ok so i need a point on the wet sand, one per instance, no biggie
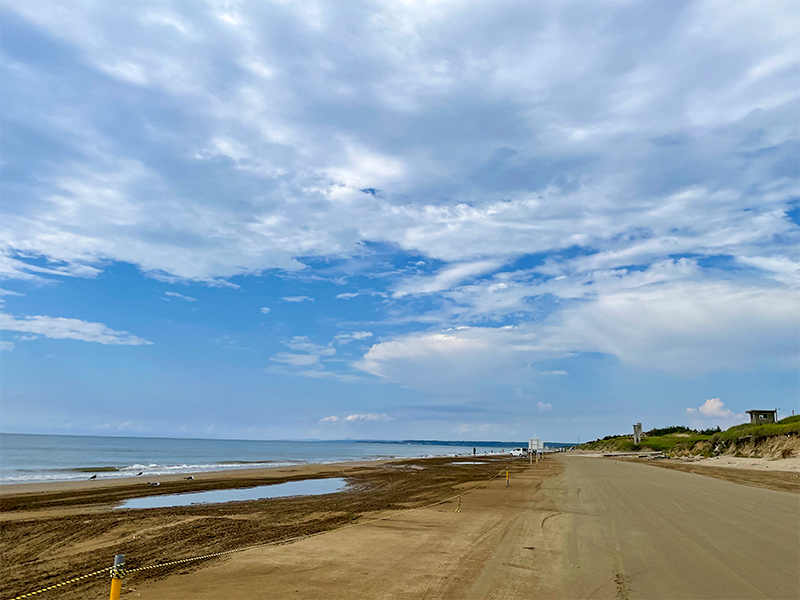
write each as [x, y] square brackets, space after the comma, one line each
[55, 531]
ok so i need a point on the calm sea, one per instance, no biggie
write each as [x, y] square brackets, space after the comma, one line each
[31, 458]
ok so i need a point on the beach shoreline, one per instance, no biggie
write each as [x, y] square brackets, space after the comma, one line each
[38, 487]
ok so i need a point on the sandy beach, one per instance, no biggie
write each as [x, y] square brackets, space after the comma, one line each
[735, 462]
[56, 531]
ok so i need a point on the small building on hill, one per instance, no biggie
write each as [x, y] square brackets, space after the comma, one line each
[760, 417]
[637, 433]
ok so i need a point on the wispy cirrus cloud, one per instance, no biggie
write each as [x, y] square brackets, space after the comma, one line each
[446, 278]
[74, 329]
[353, 336]
[356, 418]
[297, 299]
[179, 297]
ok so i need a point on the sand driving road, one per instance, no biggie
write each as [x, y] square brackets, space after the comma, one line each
[599, 529]
[627, 530]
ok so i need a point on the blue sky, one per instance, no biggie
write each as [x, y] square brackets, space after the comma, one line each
[453, 220]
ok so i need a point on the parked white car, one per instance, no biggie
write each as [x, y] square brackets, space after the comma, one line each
[519, 452]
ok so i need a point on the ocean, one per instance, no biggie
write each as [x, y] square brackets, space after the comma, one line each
[26, 458]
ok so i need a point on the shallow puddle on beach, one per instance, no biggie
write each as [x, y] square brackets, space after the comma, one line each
[466, 462]
[306, 487]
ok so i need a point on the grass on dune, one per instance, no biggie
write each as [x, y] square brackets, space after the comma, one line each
[687, 439]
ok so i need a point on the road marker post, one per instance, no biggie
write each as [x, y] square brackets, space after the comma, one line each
[117, 573]
[506, 477]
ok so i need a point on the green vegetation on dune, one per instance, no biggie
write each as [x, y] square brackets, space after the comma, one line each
[782, 427]
[709, 442]
[658, 443]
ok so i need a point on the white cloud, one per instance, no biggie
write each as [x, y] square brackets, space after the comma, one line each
[297, 299]
[308, 360]
[677, 327]
[714, 410]
[607, 153]
[456, 359]
[713, 407]
[346, 338]
[690, 168]
[688, 327]
[356, 418]
[446, 278]
[303, 344]
[14, 268]
[61, 328]
[366, 417]
[296, 360]
[780, 268]
[333, 375]
[544, 406]
[349, 295]
[180, 296]
[9, 346]
[265, 310]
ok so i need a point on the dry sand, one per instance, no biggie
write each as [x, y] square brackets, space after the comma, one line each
[735, 462]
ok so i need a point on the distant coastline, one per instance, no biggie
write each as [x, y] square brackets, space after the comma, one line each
[483, 444]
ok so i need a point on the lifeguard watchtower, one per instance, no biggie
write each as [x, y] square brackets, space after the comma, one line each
[760, 417]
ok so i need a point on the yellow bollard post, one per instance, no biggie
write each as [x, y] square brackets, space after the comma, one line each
[117, 573]
[506, 477]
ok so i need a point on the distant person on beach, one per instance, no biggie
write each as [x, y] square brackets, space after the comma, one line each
[474, 451]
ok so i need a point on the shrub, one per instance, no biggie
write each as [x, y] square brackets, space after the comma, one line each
[710, 431]
[668, 430]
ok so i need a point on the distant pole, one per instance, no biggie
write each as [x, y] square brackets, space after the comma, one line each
[117, 572]
[506, 477]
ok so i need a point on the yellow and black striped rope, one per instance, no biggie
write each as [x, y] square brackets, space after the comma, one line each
[120, 572]
[63, 583]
